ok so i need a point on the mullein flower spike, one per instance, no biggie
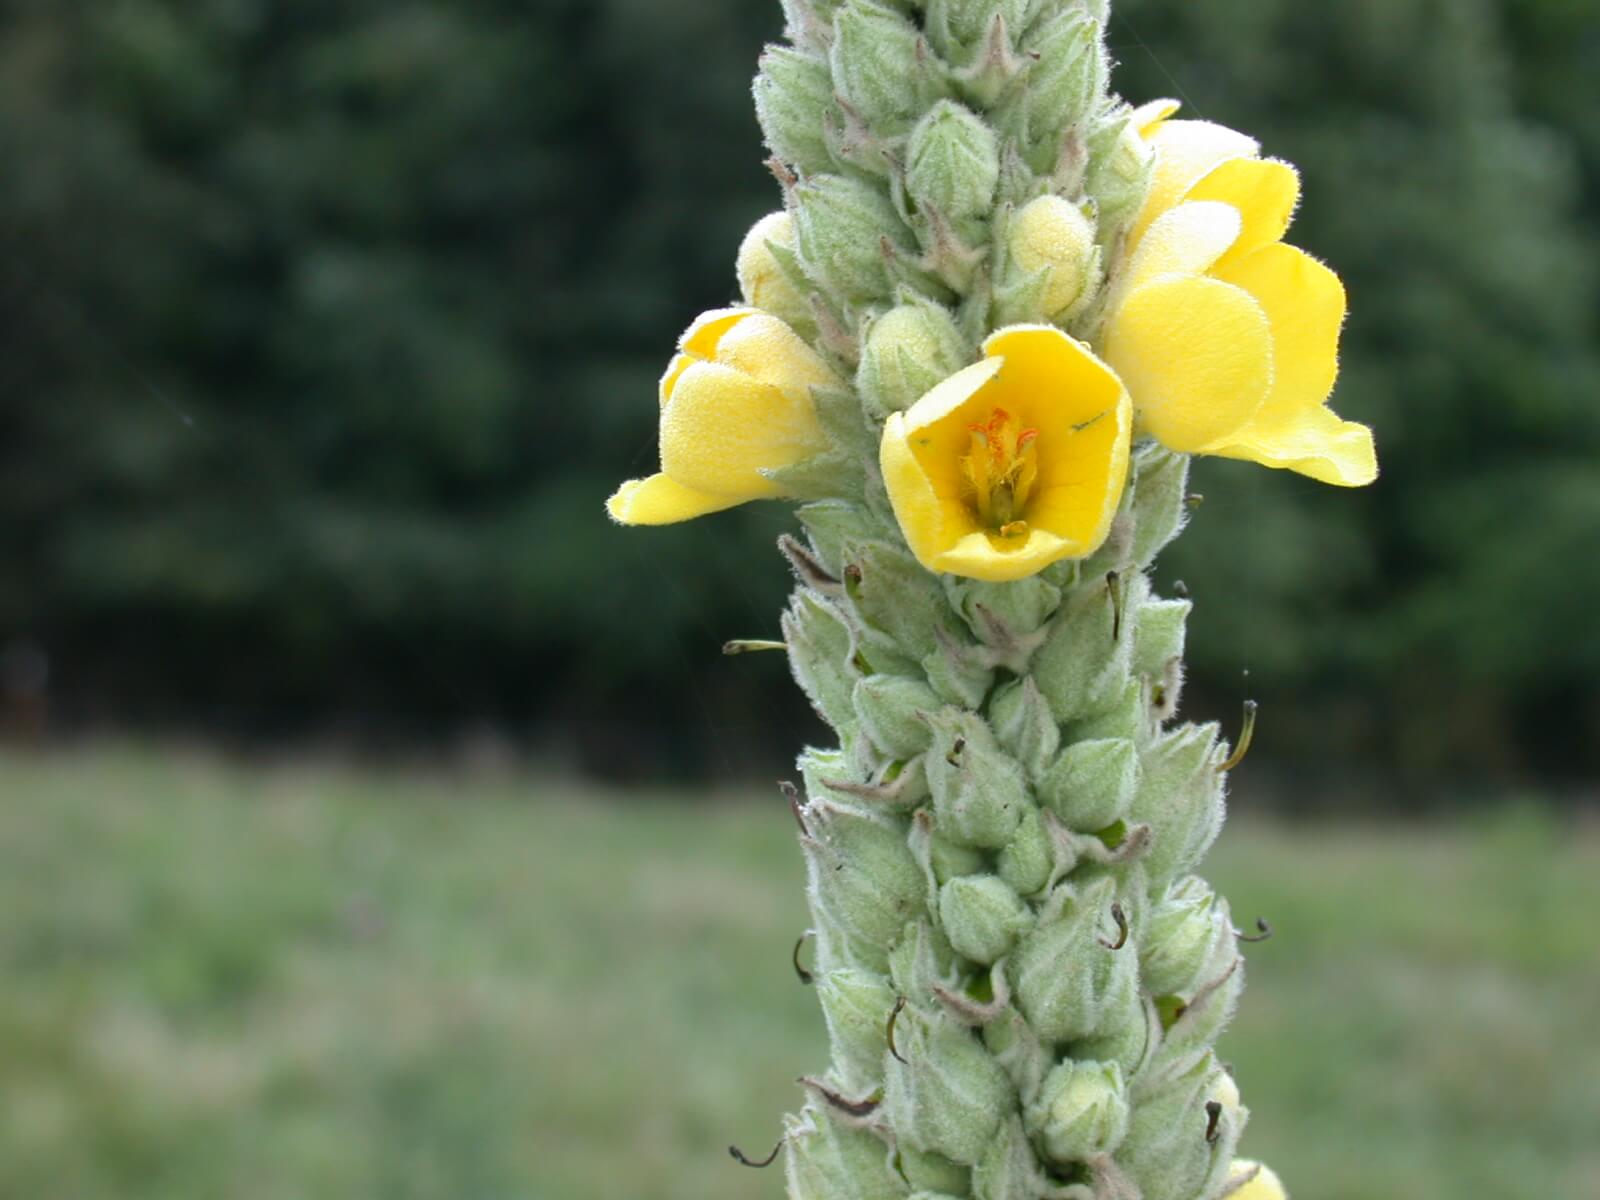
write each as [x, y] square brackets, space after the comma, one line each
[997, 313]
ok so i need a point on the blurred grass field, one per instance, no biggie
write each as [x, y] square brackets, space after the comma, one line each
[316, 981]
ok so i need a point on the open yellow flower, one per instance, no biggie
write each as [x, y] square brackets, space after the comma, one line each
[1013, 462]
[736, 401]
[1228, 339]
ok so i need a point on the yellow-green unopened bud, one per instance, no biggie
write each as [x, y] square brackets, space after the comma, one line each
[952, 162]
[1265, 1186]
[982, 917]
[762, 279]
[1052, 234]
[1082, 1110]
[907, 351]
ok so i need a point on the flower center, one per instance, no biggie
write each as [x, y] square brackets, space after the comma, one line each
[999, 473]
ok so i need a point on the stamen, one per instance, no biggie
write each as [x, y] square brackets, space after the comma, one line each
[999, 472]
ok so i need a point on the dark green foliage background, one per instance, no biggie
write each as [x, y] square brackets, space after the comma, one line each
[328, 326]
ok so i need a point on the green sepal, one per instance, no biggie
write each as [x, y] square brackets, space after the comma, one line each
[1119, 174]
[841, 225]
[1127, 716]
[838, 470]
[1084, 663]
[1008, 1170]
[794, 102]
[1026, 861]
[923, 961]
[1158, 636]
[831, 525]
[1160, 491]
[948, 1095]
[893, 711]
[958, 671]
[1166, 1152]
[893, 594]
[1001, 613]
[829, 1159]
[979, 793]
[856, 1006]
[933, 1173]
[1129, 1039]
[822, 651]
[1092, 784]
[1065, 979]
[1024, 725]
[1188, 940]
[952, 162]
[1180, 798]
[907, 351]
[862, 873]
[881, 66]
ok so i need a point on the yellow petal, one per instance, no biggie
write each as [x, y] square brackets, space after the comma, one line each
[1084, 416]
[1147, 118]
[1305, 304]
[1196, 356]
[931, 517]
[995, 559]
[701, 338]
[722, 428]
[1264, 190]
[767, 350]
[1315, 442]
[1294, 429]
[659, 500]
[1184, 151]
[669, 377]
[1265, 1186]
[1184, 240]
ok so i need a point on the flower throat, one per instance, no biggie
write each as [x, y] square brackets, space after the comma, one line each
[999, 473]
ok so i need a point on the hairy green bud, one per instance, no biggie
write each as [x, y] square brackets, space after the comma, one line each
[906, 352]
[820, 652]
[948, 1094]
[1082, 1111]
[1180, 797]
[953, 162]
[1119, 174]
[1009, 1170]
[1022, 721]
[1188, 941]
[1066, 981]
[855, 1006]
[982, 917]
[794, 100]
[881, 65]
[1065, 83]
[842, 226]
[1026, 860]
[1084, 663]
[829, 1160]
[893, 710]
[1166, 1151]
[959, 27]
[1092, 784]
[979, 794]
[863, 874]
[833, 525]
[1160, 487]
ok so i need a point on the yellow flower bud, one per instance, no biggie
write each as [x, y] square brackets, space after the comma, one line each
[735, 402]
[1052, 234]
[762, 279]
[1265, 1186]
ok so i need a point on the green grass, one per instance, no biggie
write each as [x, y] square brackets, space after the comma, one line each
[308, 982]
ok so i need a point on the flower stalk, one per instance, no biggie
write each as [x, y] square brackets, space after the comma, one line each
[998, 313]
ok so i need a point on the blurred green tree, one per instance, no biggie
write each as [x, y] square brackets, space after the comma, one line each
[328, 326]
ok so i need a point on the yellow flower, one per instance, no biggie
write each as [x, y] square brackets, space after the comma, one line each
[736, 401]
[1228, 339]
[1013, 462]
[1265, 1186]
